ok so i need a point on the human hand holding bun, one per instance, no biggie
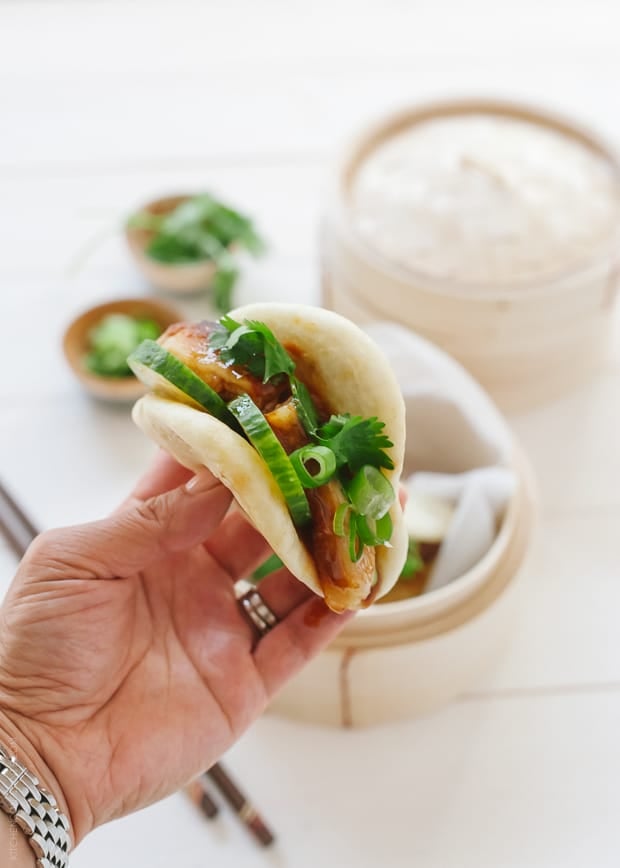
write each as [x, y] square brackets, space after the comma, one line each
[126, 664]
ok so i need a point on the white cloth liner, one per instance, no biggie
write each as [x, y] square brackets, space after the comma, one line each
[458, 447]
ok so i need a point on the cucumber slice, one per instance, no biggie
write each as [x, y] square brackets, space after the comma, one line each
[167, 376]
[270, 450]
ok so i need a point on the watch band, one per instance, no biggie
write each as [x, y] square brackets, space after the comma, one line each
[35, 811]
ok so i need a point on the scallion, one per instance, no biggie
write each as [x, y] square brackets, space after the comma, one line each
[374, 533]
[370, 492]
[356, 546]
[324, 459]
[340, 517]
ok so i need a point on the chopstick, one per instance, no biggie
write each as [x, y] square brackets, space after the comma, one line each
[202, 799]
[243, 808]
[15, 525]
[19, 531]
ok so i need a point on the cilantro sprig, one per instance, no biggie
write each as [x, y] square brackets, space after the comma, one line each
[356, 445]
[356, 441]
[201, 228]
[253, 346]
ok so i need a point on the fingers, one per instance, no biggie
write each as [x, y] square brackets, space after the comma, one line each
[131, 539]
[403, 496]
[164, 474]
[295, 640]
[283, 592]
[238, 547]
[305, 626]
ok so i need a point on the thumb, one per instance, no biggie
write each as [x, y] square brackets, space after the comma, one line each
[130, 540]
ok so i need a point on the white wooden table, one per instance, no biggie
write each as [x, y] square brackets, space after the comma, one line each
[104, 104]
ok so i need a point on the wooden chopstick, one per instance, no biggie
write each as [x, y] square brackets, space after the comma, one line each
[239, 802]
[199, 795]
[19, 531]
[15, 525]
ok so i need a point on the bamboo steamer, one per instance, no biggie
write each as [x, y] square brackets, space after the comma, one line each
[525, 342]
[518, 372]
[403, 659]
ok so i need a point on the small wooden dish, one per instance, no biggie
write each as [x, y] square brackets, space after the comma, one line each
[183, 278]
[76, 345]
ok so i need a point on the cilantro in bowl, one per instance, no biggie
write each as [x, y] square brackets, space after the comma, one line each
[200, 228]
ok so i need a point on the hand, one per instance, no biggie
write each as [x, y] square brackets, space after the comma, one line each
[126, 665]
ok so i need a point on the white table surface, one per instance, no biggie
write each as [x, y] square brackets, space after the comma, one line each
[105, 104]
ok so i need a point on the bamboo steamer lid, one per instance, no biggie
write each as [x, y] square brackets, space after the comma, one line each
[525, 341]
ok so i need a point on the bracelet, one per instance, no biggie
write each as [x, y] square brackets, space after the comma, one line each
[35, 811]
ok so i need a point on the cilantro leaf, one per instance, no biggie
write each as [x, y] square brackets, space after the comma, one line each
[356, 441]
[414, 563]
[222, 331]
[202, 218]
[253, 346]
[277, 360]
[201, 228]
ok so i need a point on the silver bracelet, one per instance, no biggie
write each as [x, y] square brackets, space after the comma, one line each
[35, 811]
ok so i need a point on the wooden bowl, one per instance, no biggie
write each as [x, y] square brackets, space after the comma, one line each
[76, 345]
[183, 278]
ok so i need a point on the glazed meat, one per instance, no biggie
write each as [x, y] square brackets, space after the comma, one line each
[343, 581]
[189, 343]
[285, 424]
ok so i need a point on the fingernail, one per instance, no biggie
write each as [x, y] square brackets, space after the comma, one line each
[202, 481]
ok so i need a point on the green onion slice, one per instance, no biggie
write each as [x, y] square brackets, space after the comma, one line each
[374, 533]
[370, 492]
[340, 517]
[356, 546]
[270, 450]
[304, 406]
[322, 456]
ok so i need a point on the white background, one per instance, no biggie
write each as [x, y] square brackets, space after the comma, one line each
[106, 104]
